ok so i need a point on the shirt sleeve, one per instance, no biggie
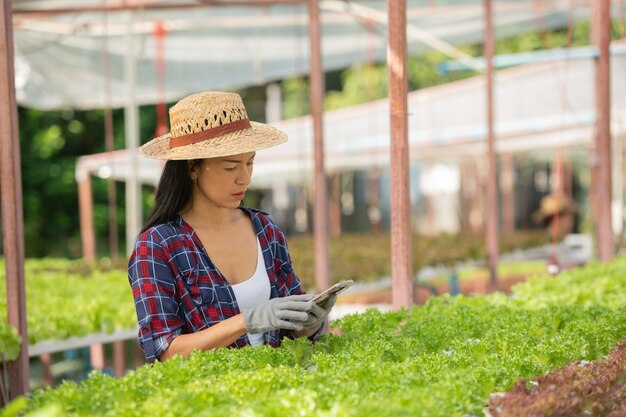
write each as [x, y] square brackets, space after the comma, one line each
[153, 283]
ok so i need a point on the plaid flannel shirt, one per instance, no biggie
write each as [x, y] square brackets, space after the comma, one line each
[178, 290]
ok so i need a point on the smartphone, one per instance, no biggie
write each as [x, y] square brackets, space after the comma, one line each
[321, 298]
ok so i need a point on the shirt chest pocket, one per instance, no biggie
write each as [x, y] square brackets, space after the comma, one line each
[198, 285]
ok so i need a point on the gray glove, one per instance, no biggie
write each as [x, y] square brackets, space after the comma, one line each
[279, 313]
[318, 314]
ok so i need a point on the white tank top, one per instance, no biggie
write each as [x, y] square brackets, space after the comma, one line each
[254, 291]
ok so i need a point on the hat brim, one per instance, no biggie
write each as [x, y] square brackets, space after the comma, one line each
[259, 136]
[541, 216]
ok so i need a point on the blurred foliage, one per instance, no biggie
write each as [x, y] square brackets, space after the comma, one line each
[505, 269]
[366, 82]
[448, 357]
[366, 257]
[101, 299]
[51, 141]
[71, 298]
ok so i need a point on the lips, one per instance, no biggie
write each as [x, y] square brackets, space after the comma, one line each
[239, 195]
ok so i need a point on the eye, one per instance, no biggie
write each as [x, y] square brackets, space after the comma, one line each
[230, 169]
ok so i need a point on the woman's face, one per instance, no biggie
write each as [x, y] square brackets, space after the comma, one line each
[223, 181]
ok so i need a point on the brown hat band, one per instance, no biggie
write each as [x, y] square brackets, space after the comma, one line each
[210, 133]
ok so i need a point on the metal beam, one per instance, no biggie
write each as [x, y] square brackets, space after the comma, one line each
[401, 260]
[507, 184]
[54, 346]
[424, 36]
[154, 5]
[316, 99]
[492, 173]
[533, 57]
[131, 132]
[12, 208]
[85, 211]
[601, 34]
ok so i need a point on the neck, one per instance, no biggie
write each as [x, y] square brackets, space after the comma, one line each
[209, 215]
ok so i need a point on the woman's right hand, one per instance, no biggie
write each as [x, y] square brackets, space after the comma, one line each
[288, 313]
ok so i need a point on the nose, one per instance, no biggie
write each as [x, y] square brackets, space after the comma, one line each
[245, 175]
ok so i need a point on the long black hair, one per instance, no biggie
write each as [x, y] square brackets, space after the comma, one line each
[172, 193]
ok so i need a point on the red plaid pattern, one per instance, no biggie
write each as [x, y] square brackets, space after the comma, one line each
[178, 290]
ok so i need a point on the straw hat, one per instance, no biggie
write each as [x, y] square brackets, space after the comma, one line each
[209, 125]
[552, 204]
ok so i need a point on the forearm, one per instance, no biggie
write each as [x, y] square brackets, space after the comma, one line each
[222, 334]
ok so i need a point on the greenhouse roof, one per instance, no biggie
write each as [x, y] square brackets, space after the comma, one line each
[538, 107]
[72, 54]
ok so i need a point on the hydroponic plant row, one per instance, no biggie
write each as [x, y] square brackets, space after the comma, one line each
[445, 358]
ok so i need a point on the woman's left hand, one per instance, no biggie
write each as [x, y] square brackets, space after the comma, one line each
[318, 313]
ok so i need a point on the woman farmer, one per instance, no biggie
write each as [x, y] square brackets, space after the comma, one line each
[206, 272]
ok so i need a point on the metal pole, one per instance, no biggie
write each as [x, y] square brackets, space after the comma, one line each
[151, 5]
[508, 193]
[12, 208]
[273, 104]
[601, 33]
[618, 187]
[320, 208]
[373, 209]
[431, 214]
[85, 211]
[402, 284]
[109, 141]
[46, 363]
[119, 358]
[492, 185]
[111, 187]
[131, 124]
[96, 356]
[335, 204]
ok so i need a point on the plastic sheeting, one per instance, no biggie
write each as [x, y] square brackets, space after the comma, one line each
[538, 107]
[61, 57]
